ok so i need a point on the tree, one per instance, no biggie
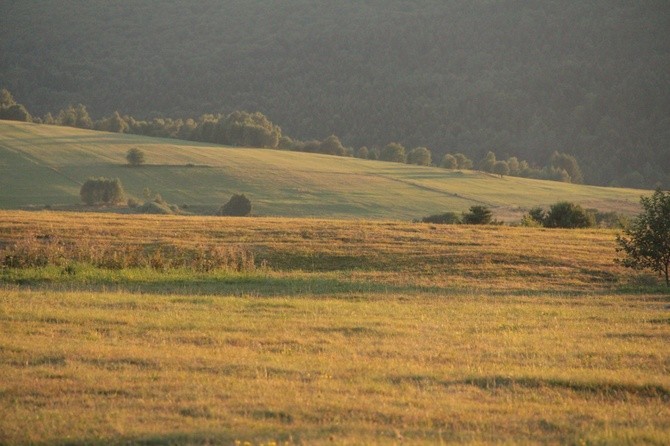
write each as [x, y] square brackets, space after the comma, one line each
[569, 164]
[464, 162]
[75, 116]
[362, 153]
[647, 245]
[449, 162]
[514, 166]
[393, 152]
[6, 98]
[420, 156]
[486, 165]
[113, 123]
[501, 168]
[237, 206]
[96, 191]
[568, 215]
[332, 146]
[135, 157]
[478, 215]
[242, 129]
[10, 110]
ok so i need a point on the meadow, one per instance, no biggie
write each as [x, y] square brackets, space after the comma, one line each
[203, 177]
[330, 332]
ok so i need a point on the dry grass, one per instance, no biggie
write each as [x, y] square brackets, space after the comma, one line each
[356, 332]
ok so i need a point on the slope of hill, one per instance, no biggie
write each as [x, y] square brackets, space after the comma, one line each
[46, 165]
[520, 78]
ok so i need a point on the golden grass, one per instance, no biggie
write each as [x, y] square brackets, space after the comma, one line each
[356, 333]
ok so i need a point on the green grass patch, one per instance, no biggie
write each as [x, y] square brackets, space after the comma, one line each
[278, 183]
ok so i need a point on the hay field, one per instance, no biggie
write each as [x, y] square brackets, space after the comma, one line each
[342, 332]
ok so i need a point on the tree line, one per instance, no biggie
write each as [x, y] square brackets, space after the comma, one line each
[245, 129]
[521, 79]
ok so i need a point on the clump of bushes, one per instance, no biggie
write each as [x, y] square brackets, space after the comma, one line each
[477, 215]
[157, 206]
[99, 191]
[238, 206]
[448, 218]
[563, 214]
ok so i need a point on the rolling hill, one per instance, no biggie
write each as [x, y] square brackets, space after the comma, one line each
[46, 165]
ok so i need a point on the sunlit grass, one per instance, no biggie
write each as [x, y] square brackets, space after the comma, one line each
[352, 332]
[462, 367]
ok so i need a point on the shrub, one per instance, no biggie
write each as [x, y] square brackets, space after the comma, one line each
[568, 215]
[135, 157]
[96, 191]
[237, 206]
[156, 208]
[478, 215]
[448, 218]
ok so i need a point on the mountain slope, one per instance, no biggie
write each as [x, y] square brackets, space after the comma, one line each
[42, 165]
[520, 78]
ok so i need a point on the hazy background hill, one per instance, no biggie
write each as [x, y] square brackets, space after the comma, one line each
[520, 78]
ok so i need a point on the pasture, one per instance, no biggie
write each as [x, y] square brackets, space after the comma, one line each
[337, 332]
[279, 183]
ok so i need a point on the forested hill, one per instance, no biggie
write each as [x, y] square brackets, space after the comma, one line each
[591, 78]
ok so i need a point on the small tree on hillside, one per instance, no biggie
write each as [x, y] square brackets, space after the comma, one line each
[486, 164]
[135, 157]
[96, 191]
[393, 152]
[463, 161]
[501, 168]
[237, 206]
[646, 243]
[420, 156]
[478, 215]
[449, 162]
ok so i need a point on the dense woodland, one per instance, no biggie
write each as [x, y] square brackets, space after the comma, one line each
[519, 79]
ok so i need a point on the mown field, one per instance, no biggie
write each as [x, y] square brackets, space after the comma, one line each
[335, 332]
[279, 183]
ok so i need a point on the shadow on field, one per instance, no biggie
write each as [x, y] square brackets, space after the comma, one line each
[180, 438]
[260, 286]
[603, 389]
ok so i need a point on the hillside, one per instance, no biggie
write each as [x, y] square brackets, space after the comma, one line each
[46, 165]
[520, 78]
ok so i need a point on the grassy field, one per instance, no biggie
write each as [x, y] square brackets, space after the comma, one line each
[279, 183]
[341, 332]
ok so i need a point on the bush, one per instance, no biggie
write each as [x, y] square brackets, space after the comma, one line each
[237, 206]
[156, 208]
[448, 218]
[478, 215]
[135, 157]
[568, 215]
[96, 191]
